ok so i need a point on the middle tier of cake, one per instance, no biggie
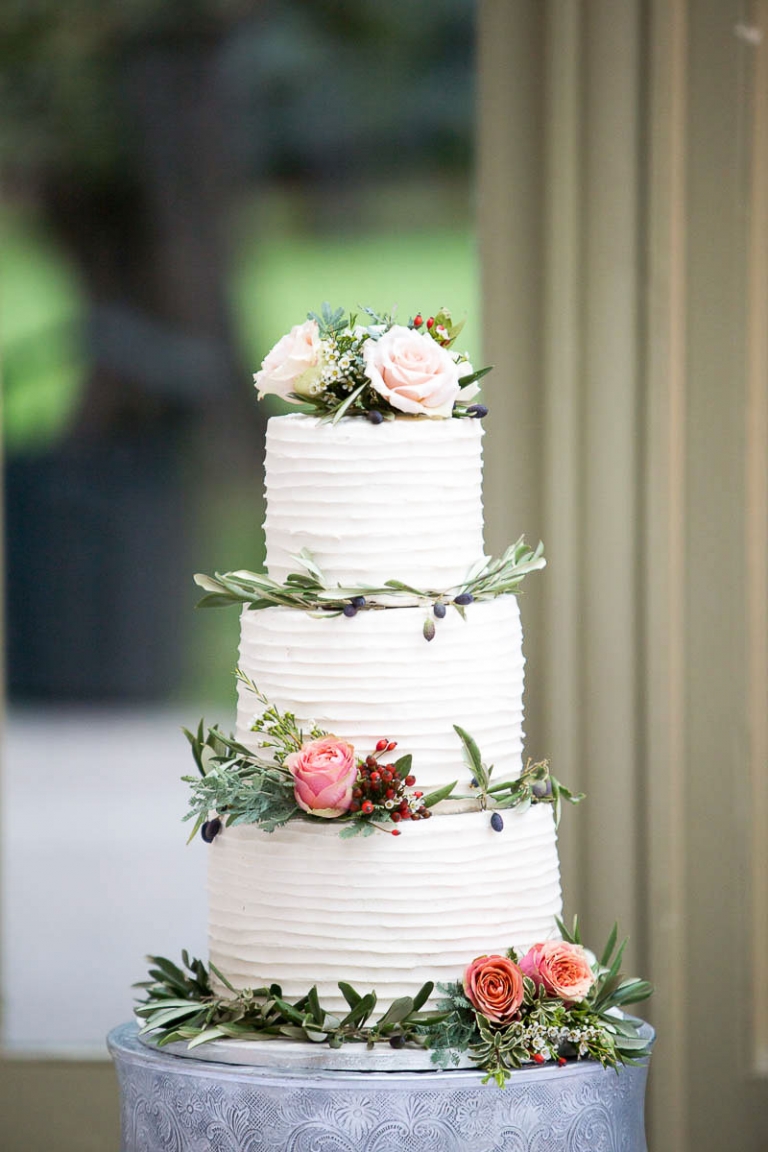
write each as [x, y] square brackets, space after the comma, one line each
[376, 676]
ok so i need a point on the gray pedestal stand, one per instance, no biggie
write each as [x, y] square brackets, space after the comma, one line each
[172, 1104]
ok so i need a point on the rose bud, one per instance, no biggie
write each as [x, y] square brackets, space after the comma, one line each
[324, 774]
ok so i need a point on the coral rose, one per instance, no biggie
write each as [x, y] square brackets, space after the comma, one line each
[413, 372]
[494, 985]
[324, 773]
[293, 365]
[562, 968]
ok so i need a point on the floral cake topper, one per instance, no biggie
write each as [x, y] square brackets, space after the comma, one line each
[337, 367]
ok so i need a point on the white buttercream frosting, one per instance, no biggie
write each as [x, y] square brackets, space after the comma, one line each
[376, 676]
[398, 500]
[300, 906]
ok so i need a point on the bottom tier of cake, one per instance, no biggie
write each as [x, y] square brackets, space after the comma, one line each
[302, 907]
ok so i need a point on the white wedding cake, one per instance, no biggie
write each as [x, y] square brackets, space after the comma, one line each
[383, 868]
[300, 905]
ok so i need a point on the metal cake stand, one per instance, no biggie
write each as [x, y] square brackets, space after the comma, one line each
[174, 1104]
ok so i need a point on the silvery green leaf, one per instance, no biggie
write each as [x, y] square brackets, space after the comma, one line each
[439, 794]
[217, 600]
[207, 583]
[292, 1031]
[605, 958]
[305, 558]
[423, 995]
[477, 569]
[351, 996]
[473, 756]
[318, 1014]
[160, 1019]
[473, 376]
[339, 412]
[398, 1011]
[205, 1037]
[220, 976]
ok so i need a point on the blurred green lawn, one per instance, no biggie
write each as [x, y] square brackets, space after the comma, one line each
[282, 270]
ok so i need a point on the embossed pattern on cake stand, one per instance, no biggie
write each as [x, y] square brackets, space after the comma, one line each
[170, 1104]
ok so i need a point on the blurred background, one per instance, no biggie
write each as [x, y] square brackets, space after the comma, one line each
[182, 180]
[586, 181]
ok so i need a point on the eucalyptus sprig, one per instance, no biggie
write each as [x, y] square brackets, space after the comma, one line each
[534, 785]
[182, 1006]
[310, 591]
[239, 786]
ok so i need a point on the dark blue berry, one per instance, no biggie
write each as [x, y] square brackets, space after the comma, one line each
[210, 829]
[349, 610]
[397, 1041]
[473, 782]
[375, 417]
[358, 601]
[464, 598]
[477, 410]
[496, 822]
[542, 789]
[439, 610]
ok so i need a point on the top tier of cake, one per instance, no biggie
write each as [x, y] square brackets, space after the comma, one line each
[398, 500]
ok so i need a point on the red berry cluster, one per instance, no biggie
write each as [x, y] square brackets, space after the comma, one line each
[440, 333]
[381, 786]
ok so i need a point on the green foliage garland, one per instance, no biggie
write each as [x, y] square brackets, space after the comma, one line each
[181, 1005]
[310, 591]
[244, 787]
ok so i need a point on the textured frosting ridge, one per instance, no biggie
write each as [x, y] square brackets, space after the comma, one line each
[375, 675]
[399, 500]
[300, 906]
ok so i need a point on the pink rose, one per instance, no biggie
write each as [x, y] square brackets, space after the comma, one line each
[562, 968]
[293, 364]
[413, 372]
[324, 773]
[494, 985]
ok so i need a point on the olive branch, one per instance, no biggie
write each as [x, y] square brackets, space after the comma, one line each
[310, 591]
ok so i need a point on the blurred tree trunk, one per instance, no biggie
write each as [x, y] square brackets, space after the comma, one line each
[150, 242]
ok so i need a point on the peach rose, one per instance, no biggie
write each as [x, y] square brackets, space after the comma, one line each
[293, 365]
[324, 773]
[494, 985]
[413, 372]
[562, 968]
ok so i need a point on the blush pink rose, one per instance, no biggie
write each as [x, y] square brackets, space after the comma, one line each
[324, 773]
[562, 968]
[293, 365]
[413, 372]
[494, 985]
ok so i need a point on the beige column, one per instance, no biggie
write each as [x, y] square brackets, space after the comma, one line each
[646, 467]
